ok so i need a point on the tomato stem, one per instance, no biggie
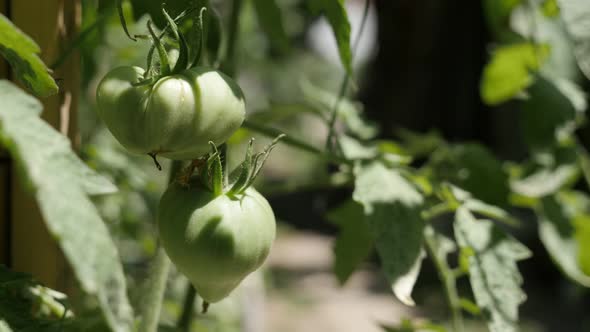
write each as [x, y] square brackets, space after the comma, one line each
[448, 280]
[184, 321]
[332, 141]
[294, 142]
[122, 19]
[155, 159]
[164, 63]
[205, 307]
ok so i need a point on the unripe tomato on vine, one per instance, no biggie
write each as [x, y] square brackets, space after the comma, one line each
[173, 112]
[217, 235]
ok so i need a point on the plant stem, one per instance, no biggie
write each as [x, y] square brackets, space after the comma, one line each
[228, 65]
[186, 317]
[155, 285]
[447, 278]
[345, 81]
[272, 133]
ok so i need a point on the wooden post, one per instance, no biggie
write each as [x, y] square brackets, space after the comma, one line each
[52, 24]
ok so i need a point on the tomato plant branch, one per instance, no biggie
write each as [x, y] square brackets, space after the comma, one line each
[155, 285]
[294, 142]
[184, 321]
[448, 280]
[228, 64]
[345, 82]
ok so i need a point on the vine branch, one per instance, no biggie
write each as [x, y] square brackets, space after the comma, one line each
[294, 142]
[448, 279]
[184, 321]
[155, 285]
[345, 81]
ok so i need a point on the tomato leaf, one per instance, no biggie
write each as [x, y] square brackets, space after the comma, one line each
[335, 13]
[354, 242]
[493, 273]
[497, 14]
[392, 210]
[558, 235]
[475, 169]
[56, 177]
[271, 22]
[509, 71]
[4, 327]
[21, 52]
[556, 109]
[576, 16]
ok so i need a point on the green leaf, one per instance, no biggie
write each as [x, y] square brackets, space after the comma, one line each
[443, 245]
[349, 111]
[375, 184]
[558, 236]
[392, 209]
[576, 16]
[550, 8]
[28, 306]
[475, 169]
[469, 306]
[352, 149]
[354, 242]
[546, 181]
[4, 327]
[493, 273]
[46, 161]
[408, 326]
[271, 22]
[544, 112]
[509, 71]
[497, 13]
[21, 52]
[582, 235]
[335, 13]
[154, 9]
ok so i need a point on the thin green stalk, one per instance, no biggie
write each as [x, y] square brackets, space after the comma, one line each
[186, 317]
[228, 65]
[345, 81]
[155, 285]
[294, 142]
[448, 280]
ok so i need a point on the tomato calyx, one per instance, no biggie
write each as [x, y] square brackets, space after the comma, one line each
[168, 66]
[210, 170]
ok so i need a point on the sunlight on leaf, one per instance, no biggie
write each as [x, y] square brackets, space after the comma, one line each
[509, 71]
[576, 16]
[392, 209]
[21, 52]
[493, 274]
[57, 179]
[558, 235]
[335, 13]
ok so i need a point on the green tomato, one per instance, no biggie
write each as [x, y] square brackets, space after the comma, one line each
[215, 241]
[176, 117]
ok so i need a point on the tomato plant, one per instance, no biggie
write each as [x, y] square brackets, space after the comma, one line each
[170, 80]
